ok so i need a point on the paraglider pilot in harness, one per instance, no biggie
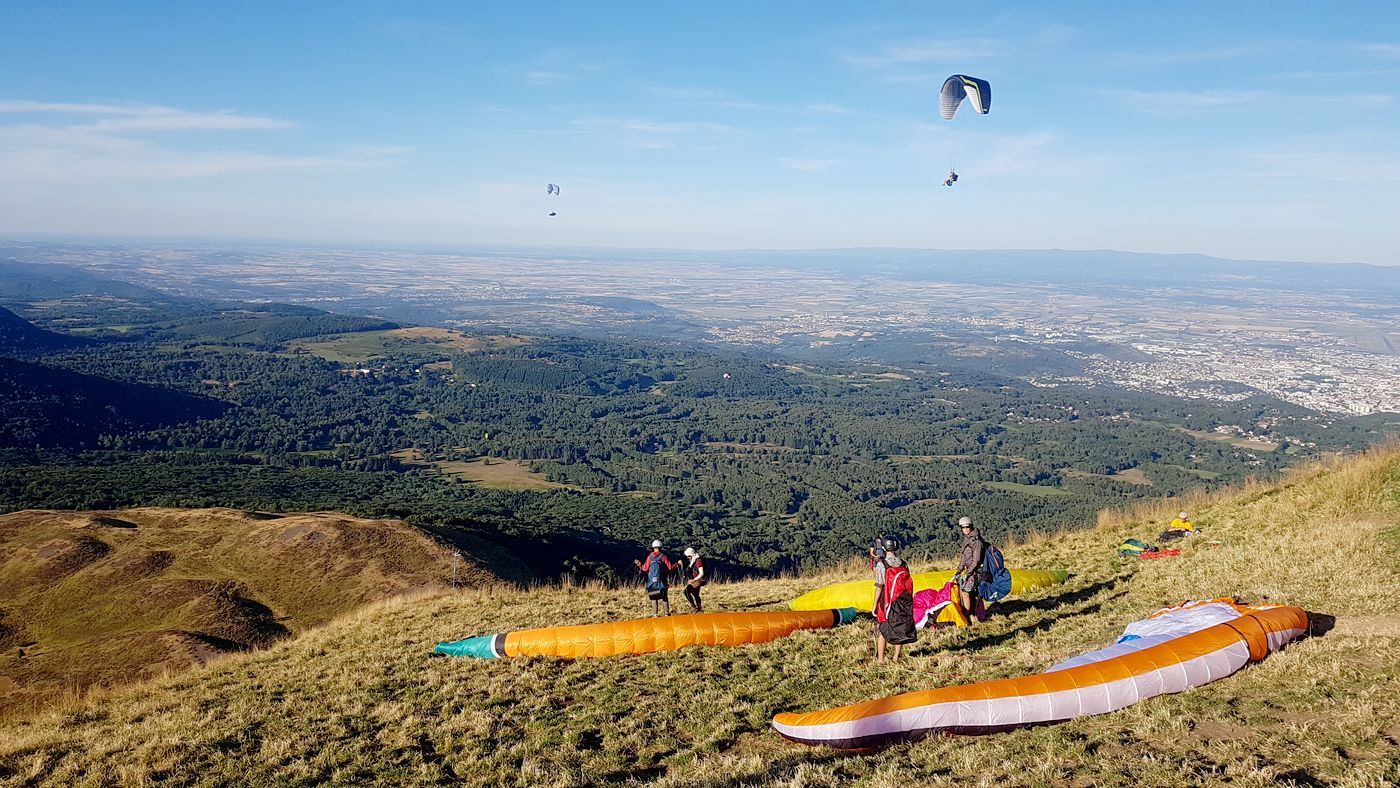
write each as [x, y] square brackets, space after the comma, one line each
[969, 572]
[656, 568]
[951, 179]
[894, 608]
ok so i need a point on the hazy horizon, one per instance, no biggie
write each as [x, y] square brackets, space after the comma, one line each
[466, 247]
[1268, 134]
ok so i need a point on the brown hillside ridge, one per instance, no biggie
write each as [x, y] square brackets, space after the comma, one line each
[107, 598]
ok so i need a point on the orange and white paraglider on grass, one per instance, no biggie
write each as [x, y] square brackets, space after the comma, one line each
[646, 635]
[1173, 650]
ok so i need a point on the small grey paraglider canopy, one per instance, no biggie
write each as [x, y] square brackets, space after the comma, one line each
[551, 188]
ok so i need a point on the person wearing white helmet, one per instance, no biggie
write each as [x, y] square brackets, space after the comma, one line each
[969, 571]
[656, 568]
[695, 577]
[1179, 528]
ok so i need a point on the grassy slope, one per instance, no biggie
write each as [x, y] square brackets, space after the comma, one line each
[360, 701]
[111, 597]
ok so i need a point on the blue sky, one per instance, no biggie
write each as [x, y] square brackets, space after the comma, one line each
[1263, 130]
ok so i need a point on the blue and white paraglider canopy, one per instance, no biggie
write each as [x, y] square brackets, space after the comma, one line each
[978, 93]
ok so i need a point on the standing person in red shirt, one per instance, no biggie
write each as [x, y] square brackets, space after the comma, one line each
[896, 609]
[656, 568]
[695, 577]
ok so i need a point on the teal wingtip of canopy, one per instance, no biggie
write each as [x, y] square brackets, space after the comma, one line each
[479, 647]
[848, 614]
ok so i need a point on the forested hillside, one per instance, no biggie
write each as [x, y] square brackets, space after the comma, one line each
[49, 406]
[593, 447]
[19, 337]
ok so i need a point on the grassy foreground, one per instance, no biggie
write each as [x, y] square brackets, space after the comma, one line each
[359, 700]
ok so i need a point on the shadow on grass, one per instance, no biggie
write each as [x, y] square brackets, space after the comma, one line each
[1300, 777]
[1056, 604]
[1319, 624]
[756, 605]
[1049, 603]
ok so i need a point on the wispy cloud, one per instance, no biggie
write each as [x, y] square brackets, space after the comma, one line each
[68, 143]
[1354, 159]
[701, 97]
[658, 134]
[928, 51]
[1193, 54]
[803, 164]
[144, 117]
[424, 32]
[1380, 50]
[1037, 154]
[723, 99]
[1178, 101]
[557, 67]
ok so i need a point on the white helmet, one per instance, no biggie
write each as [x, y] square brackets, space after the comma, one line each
[1182, 515]
[690, 552]
[964, 521]
[656, 543]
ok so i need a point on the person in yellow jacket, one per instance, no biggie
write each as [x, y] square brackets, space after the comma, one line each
[1179, 528]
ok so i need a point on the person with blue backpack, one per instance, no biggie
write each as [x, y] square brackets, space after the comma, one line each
[656, 568]
[969, 572]
[981, 575]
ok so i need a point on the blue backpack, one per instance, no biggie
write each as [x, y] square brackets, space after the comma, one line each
[997, 578]
[656, 575]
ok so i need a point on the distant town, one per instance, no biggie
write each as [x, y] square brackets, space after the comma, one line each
[1332, 351]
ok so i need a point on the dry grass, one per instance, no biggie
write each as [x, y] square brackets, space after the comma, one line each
[107, 598]
[359, 701]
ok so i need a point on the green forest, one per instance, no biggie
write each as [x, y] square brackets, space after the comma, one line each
[762, 463]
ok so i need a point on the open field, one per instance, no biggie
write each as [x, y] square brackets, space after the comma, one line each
[360, 701]
[1201, 472]
[364, 346]
[490, 472]
[1131, 476]
[1240, 443]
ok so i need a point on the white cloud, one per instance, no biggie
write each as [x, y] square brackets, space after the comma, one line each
[144, 117]
[704, 97]
[1174, 101]
[1194, 54]
[557, 66]
[106, 145]
[1355, 159]
[1380, 50]
[658, 134]
[809, 164]
[946, 51]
